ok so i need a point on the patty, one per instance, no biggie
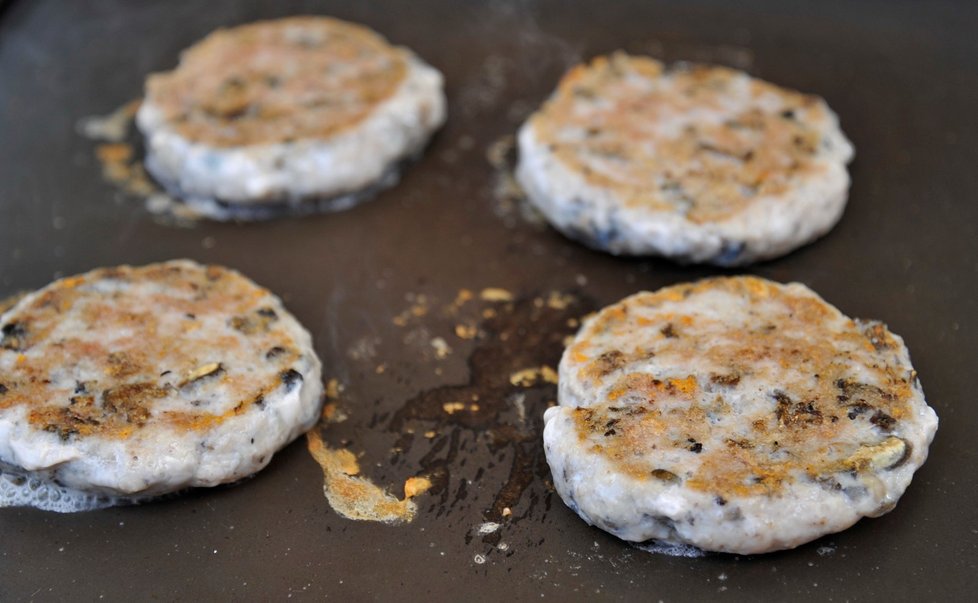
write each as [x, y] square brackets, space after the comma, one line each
[735, 415]
[287, 111]
[692, 162]
[134, 382]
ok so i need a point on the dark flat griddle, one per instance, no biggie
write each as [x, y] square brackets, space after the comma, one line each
[902, 75]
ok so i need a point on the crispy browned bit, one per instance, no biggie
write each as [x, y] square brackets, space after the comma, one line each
[878, 335]
[725, 380]
[882, 420]
[122, 365]
[3, 389]
[668, 331]
[860, 392]
[741, 443]
[65, 422]
[130, 400]
[666, 476]
[249, 325]
[792, 414]
[14, 336]
[609, 362]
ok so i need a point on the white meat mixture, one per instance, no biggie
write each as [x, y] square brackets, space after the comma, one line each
[735, 415]
[134, 382]
[289, 110]
[697, 163]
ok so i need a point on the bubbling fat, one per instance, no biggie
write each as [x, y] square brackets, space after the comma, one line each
[18, 490]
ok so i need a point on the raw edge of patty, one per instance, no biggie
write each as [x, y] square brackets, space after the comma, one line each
[332, 170]
[663, 505]
[771, 226]
[158, 458]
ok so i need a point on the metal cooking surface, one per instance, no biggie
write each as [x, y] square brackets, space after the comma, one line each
[375, 285]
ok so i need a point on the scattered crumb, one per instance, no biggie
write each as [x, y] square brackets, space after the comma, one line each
[464, 296]
[466, 331]
[441, 347]
[332, 413]
[417, 309]
[333, 389]
[112, 127]
[431, 433]
[414, 486]
[507, 512]
[495, 294]
[559, 301]
[453, 407]
[380, 369]
[531, 376]
[120, 167]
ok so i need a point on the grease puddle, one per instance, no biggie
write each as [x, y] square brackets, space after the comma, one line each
[477, 440]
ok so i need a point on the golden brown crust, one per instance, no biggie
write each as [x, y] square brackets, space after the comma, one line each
[609, 121]
[108, 352]
[797, 389]
[277, 81]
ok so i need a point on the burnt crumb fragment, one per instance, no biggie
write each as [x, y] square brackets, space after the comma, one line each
[130, 402]
[261, 321]
[609, 362]
[274, 352]
[668, 331]
[259, 401]
[882, 420]
[610, 432]
[290, 378]
[719, 500]
[3, 389]
[742, 443]
[695, 447]
[725, 380]
[853, 394]
[86, 401]
[788, 114]
[791, 414]
[877, 334]
[122, 364]
[14, 337]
